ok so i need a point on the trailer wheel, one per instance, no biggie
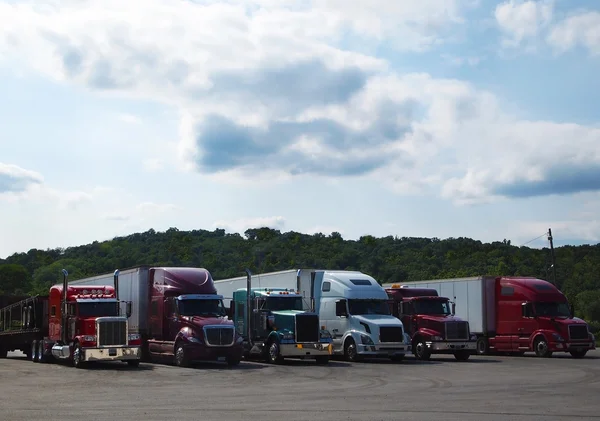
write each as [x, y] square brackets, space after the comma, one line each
[41, 351]
[34, 352]
[541, 348]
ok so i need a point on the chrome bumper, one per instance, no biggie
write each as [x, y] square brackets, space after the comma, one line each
[383, 350]
[112, 354]
[452, 346]
[309, 350]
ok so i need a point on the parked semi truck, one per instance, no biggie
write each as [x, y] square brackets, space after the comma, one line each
[516, 314]
[431, 322]
[351, 305]
[178, 314]
[73, 323]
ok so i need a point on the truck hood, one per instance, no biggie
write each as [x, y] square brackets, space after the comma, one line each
[378, 319]
[439, 318]
[199, 322]
[285, 319]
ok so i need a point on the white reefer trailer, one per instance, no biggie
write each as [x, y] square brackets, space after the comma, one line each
[351, 305]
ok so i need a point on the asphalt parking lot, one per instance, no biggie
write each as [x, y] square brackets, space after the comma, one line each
[483, 388]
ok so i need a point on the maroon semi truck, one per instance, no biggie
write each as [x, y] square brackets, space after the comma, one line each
[430, 321]
[516, 314]
[178, 314]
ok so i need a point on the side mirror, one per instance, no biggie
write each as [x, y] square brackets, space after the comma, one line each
[572, 308]
[128, 308]
[453, 308]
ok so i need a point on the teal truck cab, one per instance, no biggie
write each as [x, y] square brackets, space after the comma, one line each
[275, 326]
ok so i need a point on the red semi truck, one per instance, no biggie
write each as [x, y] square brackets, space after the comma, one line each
[178, 314]
[430, 321]
[75, 324]
[516, 314]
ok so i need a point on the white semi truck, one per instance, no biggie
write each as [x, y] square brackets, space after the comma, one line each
[351, 305]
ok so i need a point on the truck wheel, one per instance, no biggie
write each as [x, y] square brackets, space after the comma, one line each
[350, 351]
[462, 355]
[181, 358]
[482, 346]
[274, 353]
[420, 350]
[34, 352]
[541, 349]
[77, 357]
[578, 354]
[41, 356]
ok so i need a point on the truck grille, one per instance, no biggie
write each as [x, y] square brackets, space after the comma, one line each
[113, 332]
[219, 336]
[307, 328]
[391, 334]
[578, 332]
[457, 331]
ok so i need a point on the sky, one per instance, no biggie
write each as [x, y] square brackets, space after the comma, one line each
[429, 118]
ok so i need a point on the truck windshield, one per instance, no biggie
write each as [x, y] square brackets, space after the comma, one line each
[97, 309]
[283, 303]
[433, 307]
[552, 309]
[368, 307]
[201, 308]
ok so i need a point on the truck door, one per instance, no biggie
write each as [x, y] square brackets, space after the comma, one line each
[171, 326]
[405, 314]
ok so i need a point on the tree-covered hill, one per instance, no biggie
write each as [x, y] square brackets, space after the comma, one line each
[264, 250]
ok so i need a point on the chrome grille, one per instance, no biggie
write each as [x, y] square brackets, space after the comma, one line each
[219, 336]
[112, 332]
[391, 334]
[457, 331]
[578, 332]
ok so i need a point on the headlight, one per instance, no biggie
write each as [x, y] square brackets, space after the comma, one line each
[194, 340]
[89, 338]
[557, 337]
[366, 340]
[134, 336]
[473, 337]
[437, 338]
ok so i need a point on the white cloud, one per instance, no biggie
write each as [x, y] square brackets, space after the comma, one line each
[242, 224]
[580, 29]
[129, 118]
[522, 20]
[15, 180]
[141, 213]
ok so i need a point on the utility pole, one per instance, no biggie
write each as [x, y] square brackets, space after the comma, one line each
[552, 256]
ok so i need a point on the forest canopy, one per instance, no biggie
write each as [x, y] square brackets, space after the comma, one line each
[387, 259]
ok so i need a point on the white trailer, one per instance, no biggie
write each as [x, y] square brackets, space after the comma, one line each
[474, 298]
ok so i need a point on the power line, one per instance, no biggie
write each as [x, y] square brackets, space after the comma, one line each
[536, 238]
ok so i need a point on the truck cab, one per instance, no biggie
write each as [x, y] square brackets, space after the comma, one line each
[353, 307]
[279, 327]
[91, 329]
[533, 315]
[431, 323]
[187, 318]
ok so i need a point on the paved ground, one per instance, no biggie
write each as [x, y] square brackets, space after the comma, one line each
[483, 388]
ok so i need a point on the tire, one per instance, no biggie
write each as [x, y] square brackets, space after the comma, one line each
[482, 346]
[578, 354]
[462, 355]
[233, 361]
[3, 353]
[321, 360]
[77, 357]
[180, 356]
[133, 363]
[274, 352]
[420, 350]
[540, 346]
[34, 352]
[350, 351]
[41, 356]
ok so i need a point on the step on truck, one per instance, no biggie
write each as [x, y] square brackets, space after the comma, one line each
[515, 314]
[274, 323]
[351, 306]
[431, 322]
[75, 324]
[178, 314]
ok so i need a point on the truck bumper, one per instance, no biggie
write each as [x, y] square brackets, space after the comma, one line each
[379, 350]
[571, 346]
[112, 354]
[451, 347]
[208, 353]
[307, 350]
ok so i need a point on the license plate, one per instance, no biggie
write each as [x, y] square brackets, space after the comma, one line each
[221, 358]
[112, 352]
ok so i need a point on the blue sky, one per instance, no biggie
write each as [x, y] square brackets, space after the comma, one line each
[437, 118]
